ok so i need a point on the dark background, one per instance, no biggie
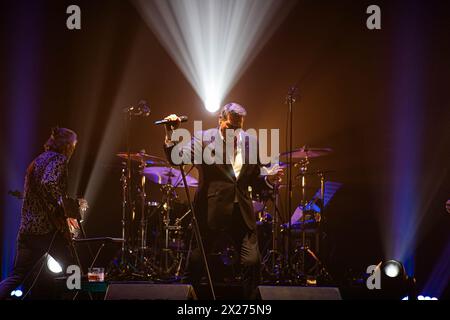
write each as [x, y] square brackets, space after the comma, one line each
[348, 78]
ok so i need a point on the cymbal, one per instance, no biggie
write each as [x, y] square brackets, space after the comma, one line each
[149, 160]
[307, 152]
[168, 175]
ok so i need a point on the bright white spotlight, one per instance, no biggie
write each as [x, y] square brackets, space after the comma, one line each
[53, 265]
[16, 293]
[212, 102]
[426, 298]
[392, 268]
[213, 41]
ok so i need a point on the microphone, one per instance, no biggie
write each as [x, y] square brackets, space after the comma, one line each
[142, 109]
[164, 121]
[292, 94]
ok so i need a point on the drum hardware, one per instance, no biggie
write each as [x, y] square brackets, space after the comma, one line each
[272, 262]
[168, 176]
[168, 254]
[316, 218]
[125, 266]
[143, 157]
[137, 259]
[301, 159]
[306, 152]
[303, 170]
[143, 195]
[291, 98]
[123, 180]
[173, 255]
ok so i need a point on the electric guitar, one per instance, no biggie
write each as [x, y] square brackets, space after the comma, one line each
[66, 219]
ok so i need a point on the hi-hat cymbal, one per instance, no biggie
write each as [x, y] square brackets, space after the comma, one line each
[142, 157]
[168, 175]
[307, 152]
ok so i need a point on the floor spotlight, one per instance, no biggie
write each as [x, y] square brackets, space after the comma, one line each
[395, 283]
[53, 265]
[427, 298]
[17, 293]
[392, 268]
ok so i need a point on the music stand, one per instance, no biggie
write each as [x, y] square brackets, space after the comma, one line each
[103, 242]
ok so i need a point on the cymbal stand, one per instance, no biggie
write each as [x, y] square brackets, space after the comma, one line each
[290, 100]
[145, 265]
[180, 255]
[272, 262]
[303, 170]
[319, 266]
[178, 227]
[165, 263]
[140, 110]
[128, 182]
[143, 217]
[123, 180]
[167, 228]
[319, 217]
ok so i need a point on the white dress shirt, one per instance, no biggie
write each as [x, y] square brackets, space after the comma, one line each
[236, 161]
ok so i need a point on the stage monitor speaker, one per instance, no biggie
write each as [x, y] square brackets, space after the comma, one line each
[298, 293]
[147, 291]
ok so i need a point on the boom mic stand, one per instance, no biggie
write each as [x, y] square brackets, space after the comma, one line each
[197, 234]
[196, 229]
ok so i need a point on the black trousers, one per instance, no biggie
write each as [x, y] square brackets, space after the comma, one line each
[245, 243]
[30, 250]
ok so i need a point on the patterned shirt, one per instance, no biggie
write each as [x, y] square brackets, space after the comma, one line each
[45, 183]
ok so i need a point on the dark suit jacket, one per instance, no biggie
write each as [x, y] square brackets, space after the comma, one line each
[218, 187]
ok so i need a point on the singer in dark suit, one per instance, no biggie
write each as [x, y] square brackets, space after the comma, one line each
[223, 203]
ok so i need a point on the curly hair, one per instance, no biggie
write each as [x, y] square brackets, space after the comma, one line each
[60, 139]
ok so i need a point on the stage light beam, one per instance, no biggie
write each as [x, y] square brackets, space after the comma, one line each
[213, 41]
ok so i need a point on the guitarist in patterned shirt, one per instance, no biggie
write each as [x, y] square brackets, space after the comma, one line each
[44, 190]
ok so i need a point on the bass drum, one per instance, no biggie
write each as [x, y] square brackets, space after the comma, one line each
[179, 225]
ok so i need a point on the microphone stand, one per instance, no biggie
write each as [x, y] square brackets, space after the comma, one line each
[127, 187]
[290, 100]
[198, 237]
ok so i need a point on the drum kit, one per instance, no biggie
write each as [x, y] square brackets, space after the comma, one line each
[158, 242]
[290, 244]
[156, 233]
